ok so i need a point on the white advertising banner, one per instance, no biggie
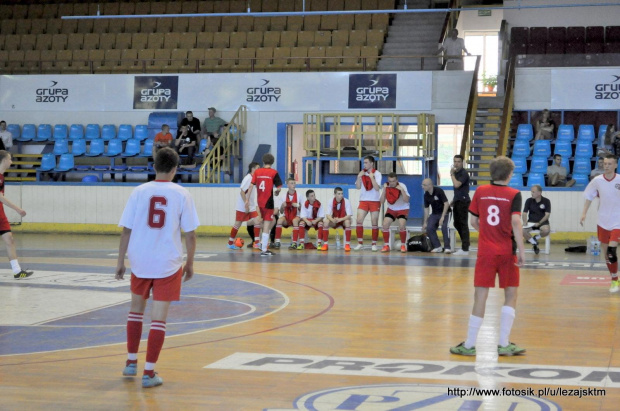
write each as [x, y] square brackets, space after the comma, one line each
[334, 91]
[585, 89]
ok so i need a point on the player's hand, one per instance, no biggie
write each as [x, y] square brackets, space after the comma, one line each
[361, 173]
[188, 272]
[520, 258]
[583, 220]
[295, 205]
[424, 227]
[21, 212]
[120, 271]
[441, 221]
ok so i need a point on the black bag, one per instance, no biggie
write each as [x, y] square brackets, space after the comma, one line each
[419, 243]
[576, 249]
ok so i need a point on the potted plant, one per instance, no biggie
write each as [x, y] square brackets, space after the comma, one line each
[489, 82]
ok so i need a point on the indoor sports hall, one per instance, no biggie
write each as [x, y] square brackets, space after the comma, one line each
[86, 87]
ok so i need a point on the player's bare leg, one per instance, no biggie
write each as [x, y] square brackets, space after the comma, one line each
[12, 253]
[135, 318]
[374, 218]
[610, 251]
[359, 229]
[387, 222]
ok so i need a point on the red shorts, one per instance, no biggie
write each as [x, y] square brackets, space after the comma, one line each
[606, 236]
[266, 213]
[371, 206]
[164, 289]
[287, 223]
[5, 227]
[487, 266]
[242, 216]
[397, 213]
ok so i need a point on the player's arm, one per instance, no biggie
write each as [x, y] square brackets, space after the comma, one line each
[190, 245]
[277, 182]
[404, 193]
[122, 251]
[446, 207]
[425, 219]
[358, 181]
[542, 220]
[517, 231]
[474, 220]
[10, 204]
[375, 184]
[586, 206]
[382, 197]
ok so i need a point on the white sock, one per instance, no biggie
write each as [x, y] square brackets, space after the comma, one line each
[537, 237]
[265, 242]
[505, 324]
[532, 241]
[132, 357]
[149, 366]
[15, 266]
[472, 331]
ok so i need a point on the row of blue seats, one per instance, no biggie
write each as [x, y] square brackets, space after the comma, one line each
[133, 148]
[539, 164]
[66, 163]
[45, 132]
[522, 148]
[565, 132]
[581, 180]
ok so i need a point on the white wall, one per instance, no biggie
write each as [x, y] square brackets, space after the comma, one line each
[470, 21]
[562, 16]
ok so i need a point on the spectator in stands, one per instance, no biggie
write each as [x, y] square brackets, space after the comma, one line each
[436, 200]
[556, 174]
[454, 46]
[6, 138]
[535, 215]
[611, 140]
[460, 203]
[598, 170]
[192, 123]
[162, 139]
[213, 127]
[544, 126]
[186, 143]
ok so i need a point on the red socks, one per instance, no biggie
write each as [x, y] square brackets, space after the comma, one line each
[359, 231]
[375, 234]
[278, 233]
[295, 234]
[347, 235]
[302, 232]
[386, 236]
[155, 341]
[403, 237]
[233, 234]
[134, 331]
[257, 232]
[325, 235]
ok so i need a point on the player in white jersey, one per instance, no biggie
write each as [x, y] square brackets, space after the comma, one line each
[607, 188]
[152, 221]
[369, 183]
[396, 195]
[338, 213]
[312, 215]
[246, 213]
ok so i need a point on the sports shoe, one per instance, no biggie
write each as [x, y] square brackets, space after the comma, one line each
[447, 251]
[130, 370]
[614, 286]
[233, 247]
[358, 247]
[403, 249]
[532, 241]
[23, 274]
[509, 350]
[324, 248]
[148, 382]
[257, 246]
[536, 249]
[347, 247]
[301, 246]
[385, 249]
[251, 244]
[374, 247]
[293, 246]
[437, 250]
[267, 253]
[276, 245]
[461, 350]
[461, 252]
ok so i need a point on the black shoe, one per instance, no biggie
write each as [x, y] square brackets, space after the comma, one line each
[536, 249]
[276, 246]
[23, 274]
[267, 253]
[251, 244]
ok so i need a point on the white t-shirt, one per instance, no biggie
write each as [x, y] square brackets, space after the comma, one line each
[156, 212]
[372, 194]
[609, 203]
[400, 204]
[245, 185]
[7, 138]
[347, 207]
[454, 47]
[307, 212]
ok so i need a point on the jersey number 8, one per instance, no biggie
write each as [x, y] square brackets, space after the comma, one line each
[493, 217]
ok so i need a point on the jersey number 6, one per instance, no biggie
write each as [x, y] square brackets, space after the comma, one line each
[157, 216]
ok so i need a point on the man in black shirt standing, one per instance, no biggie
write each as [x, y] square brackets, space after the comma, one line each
[460, 203]
[536, 214]
[192, 123]
[435, 198]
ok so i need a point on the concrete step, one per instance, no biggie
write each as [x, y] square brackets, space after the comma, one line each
[483, 145]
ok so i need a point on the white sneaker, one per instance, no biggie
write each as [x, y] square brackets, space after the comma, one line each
[437, 250]
[447, 251]
[375, 247]
[461, 252]
[358, 247]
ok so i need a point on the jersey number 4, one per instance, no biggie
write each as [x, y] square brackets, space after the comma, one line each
[157, 216]
[261, 186]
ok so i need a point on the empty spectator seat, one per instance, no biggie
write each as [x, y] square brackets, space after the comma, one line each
[65, 163]
[521, 148]
[520, 164]
[583, 149]
[115, 147]
[563, 148]
[61, 146]
[108, 132]
[536, 178]
[586, 133]
[539, 165]
[44, 132]
[93, 131]
[76, 132]
[581, 180]
[96, 148]
[132, 148]
[542, 148]
[78, 147]
[582, 165]
[516, 180]
[48, 162]
[15, 131]
[125, 132]
[566, 132]
[29, 132]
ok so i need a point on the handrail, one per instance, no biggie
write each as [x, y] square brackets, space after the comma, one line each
[472, 108]
[504, 134]
[227, 146]
[450, 21]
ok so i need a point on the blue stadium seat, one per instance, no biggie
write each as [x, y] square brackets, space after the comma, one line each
[65, 163]
[132, 148]
[542, 148]
[115, 147]
[92, 131]
[108, 132]
[60, 132]
[76, 132]
[15, 131]
[525, 132]
[566, 132]
[203, 145]
[147, 150]
[44, 132]
[78, 147]
[90, 179]
[582, 165]
[521, 148]
[61, 147]
[601, 134]
[581, 180]
[584, 149]
[539, 165]
[565, 163]
[141, 132]
[125, 132]
[96, 148]
[520, 165]
[29, 132]
[586, 133]
[48, 162]
[563, 148]
[536, 178]
[516, 180]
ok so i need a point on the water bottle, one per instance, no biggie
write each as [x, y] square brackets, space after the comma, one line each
[337, 240]
[596, 248]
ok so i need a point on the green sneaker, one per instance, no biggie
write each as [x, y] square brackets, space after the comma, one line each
[461, 350]
[614, 286]
[301, 246]
[293, 246]
[509, 350]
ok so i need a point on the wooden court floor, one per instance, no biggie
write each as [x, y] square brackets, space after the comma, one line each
[303, 330]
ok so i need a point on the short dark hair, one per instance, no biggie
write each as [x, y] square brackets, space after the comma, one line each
[338, 189]
[164, 125]
[557, 155]
[268, 159]
[606, 156]
[458, 156]
[2, 121]
[290, 179]
[537, 187]
[189, 112]
[165, 160]
[4, 154]
[252, 165]
[309, 192]
[370, 158]
[500, 168]
[393, 175]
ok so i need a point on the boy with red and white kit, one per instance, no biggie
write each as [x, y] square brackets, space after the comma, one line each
[246, 213]
[397, 197]
[290, 214]
[312, 215]
[369, 183]
[338, 214]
